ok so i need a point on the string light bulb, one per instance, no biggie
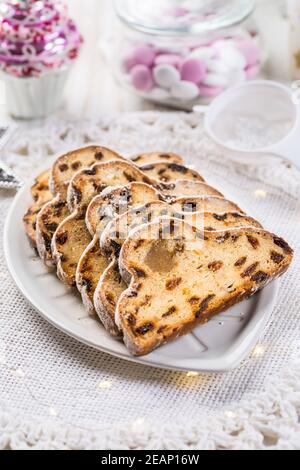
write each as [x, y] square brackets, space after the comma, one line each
[105, 385]
[260, 194]
[192, 374]
[258, 351]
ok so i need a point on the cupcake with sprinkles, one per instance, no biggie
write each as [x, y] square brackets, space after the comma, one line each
[38, 45]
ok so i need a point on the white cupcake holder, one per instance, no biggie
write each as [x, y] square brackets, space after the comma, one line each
[34, 97]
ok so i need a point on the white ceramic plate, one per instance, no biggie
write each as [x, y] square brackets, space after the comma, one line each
[219, 346]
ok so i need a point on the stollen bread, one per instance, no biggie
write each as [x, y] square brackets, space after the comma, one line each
[108, 206]
[88, 183]
[156, 157]
[41, 195]
[63, 170]
[91, 265]
[84, 186]
[66, 166]
[107, 293]
[167, 193]
[72, 236]
[186, 188]
[168, 172]
[197, 275]
[40, 190]
[29, 222]
[102, 210]
[116, 201]
[116, 232]
[53, 213]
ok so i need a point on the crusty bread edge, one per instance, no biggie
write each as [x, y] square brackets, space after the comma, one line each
[56, 254]
[82, 289]
[71, 194]
[40, 242]
[93, 147]
[130, 278]
[101, 309]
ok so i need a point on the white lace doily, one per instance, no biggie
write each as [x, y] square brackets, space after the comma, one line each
[57, 393]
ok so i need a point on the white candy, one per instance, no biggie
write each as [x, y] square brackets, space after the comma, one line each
[159, 94]
[185, 91]
[217, 66]
[204, 53]
[166, 76]
[215, 80]
[233, 58]
[237, 76]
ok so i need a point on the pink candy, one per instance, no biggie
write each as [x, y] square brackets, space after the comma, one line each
[208, 91]
[184, 75]
[193, 70]
[252, 71]
[141, 77]
[144, 55]
[249, 50]
[140, 55]
[129, 62]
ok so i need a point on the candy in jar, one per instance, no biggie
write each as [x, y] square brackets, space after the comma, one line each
[183, 52]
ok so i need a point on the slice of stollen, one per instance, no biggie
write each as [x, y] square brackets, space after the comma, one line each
[168, 172]
[197, 275]
[84, 186]
[114, 235]
[41, 194]
[101, 211]
[72, 236]
[187, 188]
[115, 201]
[156, 157]
[63, 170]
[40, 190]
[55, 211]
[117, 231]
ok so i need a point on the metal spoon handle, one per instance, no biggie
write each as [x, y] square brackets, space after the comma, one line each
[8, 179]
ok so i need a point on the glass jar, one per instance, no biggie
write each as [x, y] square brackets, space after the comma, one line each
[185, 52]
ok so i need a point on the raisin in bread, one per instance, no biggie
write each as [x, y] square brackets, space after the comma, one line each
[53, 213]
[109, 204]
[197, 275]
[156, 157]
[168, 172]
[72, 236]
[41, 195]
